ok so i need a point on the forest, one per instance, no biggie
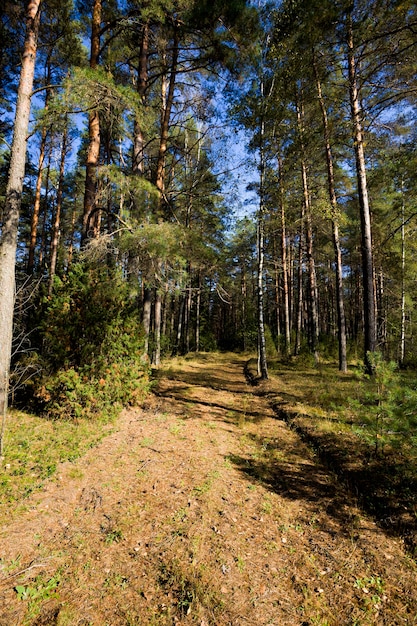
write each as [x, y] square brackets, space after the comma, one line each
[130, 233]
[208, 219]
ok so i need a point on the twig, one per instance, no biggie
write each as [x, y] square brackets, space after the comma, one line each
[22, 571]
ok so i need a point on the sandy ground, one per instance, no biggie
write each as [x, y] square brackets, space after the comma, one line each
[201, 508]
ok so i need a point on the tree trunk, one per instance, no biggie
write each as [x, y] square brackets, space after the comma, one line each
[70, 252]
[312, 281]
[38, 188]
[262, 361]
[284, 261]
[57, 220]
[8, 240]
[299, 316]
[157, 327]
[179, 336]
[142, 84]
[341, 320]
[197, 314]
[188, 318]
[243, 290]
[90, 224]
[365, 215]
[402, 337]
[147, 306]
[44, 215]
[166, 115]
[381, 313]
[276, 291]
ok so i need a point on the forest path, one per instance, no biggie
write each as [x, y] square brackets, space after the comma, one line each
[200, 508]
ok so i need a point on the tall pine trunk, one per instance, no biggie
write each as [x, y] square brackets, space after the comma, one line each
[8, 239]
[340, 307]
[142, 85]
[402, 335]
[165, 118]
[364, 210]
[300, 299]
[90, 222]
[57, 217]
[285, 295]
[38, 188]
[313, 329]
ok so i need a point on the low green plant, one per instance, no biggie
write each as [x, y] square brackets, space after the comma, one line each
[38, 592]
[376, 402]
[113, 535]
[46, 444]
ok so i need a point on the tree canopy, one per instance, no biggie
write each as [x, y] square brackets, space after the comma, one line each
[124, 182]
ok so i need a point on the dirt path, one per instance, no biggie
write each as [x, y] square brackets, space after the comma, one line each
[204, 509]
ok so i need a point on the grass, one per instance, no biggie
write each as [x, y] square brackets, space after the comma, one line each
[33, 448]
[229, 527]
[365, 429]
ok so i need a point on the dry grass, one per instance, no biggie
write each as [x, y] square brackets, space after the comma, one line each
[201, 508]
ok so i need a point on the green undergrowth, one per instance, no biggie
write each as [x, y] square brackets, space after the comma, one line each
[381, 410]
[35, 446]
[364, 427]
[90, 359]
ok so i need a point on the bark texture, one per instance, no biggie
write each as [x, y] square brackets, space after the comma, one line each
[262, 360]
[365, 214]
[8, 240]
[90, 222]
[341, 320]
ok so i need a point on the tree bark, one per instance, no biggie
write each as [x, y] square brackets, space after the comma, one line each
[277, 288]
[197, 314]
[299, 318]
[142, 84]
[158, 319]
[147, 306]
[262, 361]
[402, 335]
[341, 320]
[38, 188]
[8, 239]
[57, 219]
[166, 115]
[365, 215]
[90, 226]
[312, 281]
[284, 261]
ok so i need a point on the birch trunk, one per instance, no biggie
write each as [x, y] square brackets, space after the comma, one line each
[262, 362]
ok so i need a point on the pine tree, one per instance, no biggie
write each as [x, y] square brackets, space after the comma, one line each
[8, 240]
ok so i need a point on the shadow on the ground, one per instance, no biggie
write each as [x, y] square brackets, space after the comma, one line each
[209, 377]
[385, 487]
[178, 394]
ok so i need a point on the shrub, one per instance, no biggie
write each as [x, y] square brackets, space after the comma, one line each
[93, 343]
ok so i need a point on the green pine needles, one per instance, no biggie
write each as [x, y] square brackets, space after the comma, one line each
[93, 347]
[386, 407]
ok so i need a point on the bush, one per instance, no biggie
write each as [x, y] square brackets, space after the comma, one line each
[93, 343]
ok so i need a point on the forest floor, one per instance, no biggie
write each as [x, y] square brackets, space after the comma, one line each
[201, 507]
